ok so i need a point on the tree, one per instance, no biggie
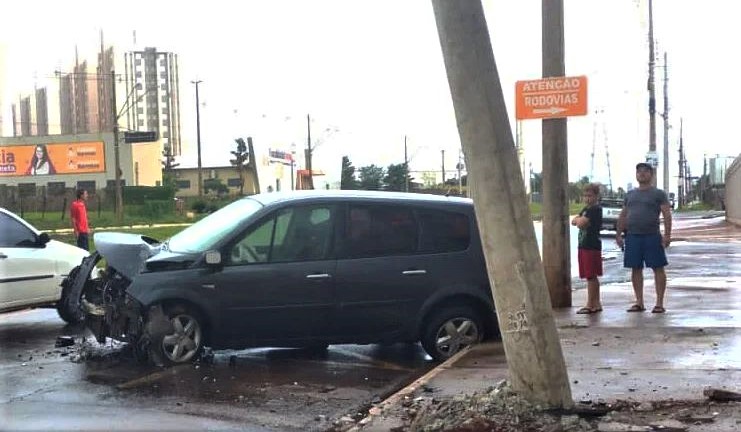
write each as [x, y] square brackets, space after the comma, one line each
[576, 189]
[348, 180]
[371, 177]
[168, 169]
[240, 161]
[215, 184]
[397, 177]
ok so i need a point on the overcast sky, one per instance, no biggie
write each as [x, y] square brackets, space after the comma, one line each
[371, 73]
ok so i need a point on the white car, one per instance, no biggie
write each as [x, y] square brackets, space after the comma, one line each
[32, 267]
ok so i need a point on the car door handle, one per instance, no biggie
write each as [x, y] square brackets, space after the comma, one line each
[414, 272]
[318, 276]
[2, 255]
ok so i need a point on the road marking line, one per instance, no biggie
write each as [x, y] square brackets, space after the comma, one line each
[147, 379]
[369, 359]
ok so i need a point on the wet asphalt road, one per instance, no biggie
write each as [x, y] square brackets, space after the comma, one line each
[48, 388]
[92, 387]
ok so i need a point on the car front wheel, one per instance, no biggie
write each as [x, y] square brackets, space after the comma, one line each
[68, 307]
[184, 339]
[450, 330]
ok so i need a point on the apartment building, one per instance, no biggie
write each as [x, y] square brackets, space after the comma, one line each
[152, 81]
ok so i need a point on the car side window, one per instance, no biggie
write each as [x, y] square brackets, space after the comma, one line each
[14, 233]
[378, 230]
[292, 234]
[444, 231]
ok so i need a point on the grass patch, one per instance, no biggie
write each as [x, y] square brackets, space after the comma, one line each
[99, 219]
[696, 206]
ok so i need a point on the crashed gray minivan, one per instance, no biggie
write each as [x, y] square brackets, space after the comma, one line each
[296, 269]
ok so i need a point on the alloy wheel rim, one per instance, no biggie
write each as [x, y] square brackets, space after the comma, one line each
[456, 334]
[181, 345]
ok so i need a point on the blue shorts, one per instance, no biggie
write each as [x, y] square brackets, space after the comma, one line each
[640, 248]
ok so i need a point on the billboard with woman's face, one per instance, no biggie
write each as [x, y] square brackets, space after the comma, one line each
[51, 159]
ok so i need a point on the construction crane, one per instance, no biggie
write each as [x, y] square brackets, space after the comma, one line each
[607, 156]
[594, 144]
[607, 150]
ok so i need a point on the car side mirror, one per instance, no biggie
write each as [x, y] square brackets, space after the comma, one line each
[43, 239]
[213, 258]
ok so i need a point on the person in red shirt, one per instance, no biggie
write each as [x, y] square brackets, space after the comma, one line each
[78, 214]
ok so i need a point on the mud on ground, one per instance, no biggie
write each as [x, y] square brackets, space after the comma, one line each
[499, 409]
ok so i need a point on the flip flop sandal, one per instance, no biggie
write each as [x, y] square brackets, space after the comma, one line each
[586, 311]
[658, 309]
[636, 308]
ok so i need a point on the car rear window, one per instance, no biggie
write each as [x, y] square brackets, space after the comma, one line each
[444, 231]
[380, 230]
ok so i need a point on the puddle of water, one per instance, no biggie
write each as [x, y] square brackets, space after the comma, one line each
[726, 355]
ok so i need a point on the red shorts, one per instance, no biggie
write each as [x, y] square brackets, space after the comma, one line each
[590, 263]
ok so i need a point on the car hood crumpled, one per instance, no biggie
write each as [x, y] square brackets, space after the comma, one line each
[127, 253]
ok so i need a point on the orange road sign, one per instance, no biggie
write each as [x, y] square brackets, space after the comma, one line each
[553, 97]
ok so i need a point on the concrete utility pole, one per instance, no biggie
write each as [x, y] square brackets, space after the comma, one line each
[307, 155]
[406, 165]
[442, 153]
[651, 157]
[556, 230]
[680, 180]
[116, 152]
[536, 365]
[198, 139]
[665, 115]
[253, 165]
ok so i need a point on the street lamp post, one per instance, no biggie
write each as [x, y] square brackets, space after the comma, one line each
[198, 139]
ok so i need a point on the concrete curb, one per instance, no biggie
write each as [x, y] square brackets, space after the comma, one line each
[394, 399]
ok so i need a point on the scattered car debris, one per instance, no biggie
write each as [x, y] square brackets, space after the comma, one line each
[720, 395]
[64, 341]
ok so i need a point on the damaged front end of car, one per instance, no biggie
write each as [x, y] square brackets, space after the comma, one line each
[109, 310]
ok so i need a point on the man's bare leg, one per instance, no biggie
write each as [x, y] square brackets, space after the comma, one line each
[636, 277]
[660, 281]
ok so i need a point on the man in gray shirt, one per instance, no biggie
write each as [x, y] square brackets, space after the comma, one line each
[643, 240]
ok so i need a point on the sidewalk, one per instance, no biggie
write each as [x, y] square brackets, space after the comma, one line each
[615, 357]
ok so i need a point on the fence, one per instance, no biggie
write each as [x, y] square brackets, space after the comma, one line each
[43, 200]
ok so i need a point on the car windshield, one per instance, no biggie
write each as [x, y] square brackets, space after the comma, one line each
[205, 233]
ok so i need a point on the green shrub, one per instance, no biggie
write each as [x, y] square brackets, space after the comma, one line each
[155, 209]
[142, 194]
[198, 206]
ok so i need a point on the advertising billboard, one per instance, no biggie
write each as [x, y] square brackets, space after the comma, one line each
[52, 159]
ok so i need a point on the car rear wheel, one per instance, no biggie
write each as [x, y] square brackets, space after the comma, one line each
[184, 340]
[450, 330]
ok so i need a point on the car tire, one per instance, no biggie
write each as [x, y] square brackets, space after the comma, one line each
[67, 314]
[69, 309]
[183, 341]
[450, 330]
